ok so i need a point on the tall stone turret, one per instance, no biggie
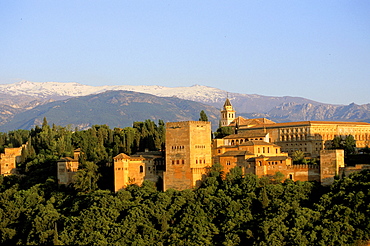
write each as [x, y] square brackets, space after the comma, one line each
[227, 114]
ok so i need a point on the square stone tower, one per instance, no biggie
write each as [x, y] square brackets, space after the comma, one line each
[188, 154]
[330, 163]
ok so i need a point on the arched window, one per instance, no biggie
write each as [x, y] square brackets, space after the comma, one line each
[141, 169]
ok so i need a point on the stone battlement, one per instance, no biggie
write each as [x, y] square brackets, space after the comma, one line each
[303, 167]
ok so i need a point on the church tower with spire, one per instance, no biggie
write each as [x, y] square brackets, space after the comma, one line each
[227, 114]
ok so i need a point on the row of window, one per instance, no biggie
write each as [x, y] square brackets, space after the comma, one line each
[198, 161]
[141, 169]
[296, 144]
[293, 137]
[274, 162]
[266, 150]
[294, 149]
[224, 115]
[197, 146]
[237, 141]
[178, 162]
[293, 130]
[178, 147]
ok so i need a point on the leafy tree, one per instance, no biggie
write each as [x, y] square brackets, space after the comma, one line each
[224, 131]
[203, 116]
[348, 143]
[86, 177]
[298, 156]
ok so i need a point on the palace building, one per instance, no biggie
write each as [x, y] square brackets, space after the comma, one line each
[67, 167]
[9, 159]
[262, 147]
[309, 137]
[259, 146]
[135, 169]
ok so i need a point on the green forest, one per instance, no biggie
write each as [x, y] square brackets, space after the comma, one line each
[230, 209]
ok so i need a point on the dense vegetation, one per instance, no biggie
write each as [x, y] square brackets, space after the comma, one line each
[235, 210]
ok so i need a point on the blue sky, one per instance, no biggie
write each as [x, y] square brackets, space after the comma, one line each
[314, 49]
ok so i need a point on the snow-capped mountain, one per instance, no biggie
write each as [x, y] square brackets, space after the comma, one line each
[24, 98]
[244, 103]
[57, 89]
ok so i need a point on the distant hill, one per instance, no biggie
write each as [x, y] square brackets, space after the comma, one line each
[114, 108]
[243, 103]
[322, 112]
[17, 98]
[11, 105]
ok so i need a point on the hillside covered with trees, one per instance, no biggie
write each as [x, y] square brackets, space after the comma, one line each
[227, 209]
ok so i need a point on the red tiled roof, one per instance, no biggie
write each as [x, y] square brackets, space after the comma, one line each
[305, 123]
[122, 156]
[246, 135]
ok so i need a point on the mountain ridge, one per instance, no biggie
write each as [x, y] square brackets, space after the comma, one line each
[244, 103]
[23, 96]
[113, 108]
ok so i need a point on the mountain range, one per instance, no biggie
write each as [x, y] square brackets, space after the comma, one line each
[24, 104]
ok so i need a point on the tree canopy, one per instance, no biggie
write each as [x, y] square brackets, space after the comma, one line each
[231, 209]
[203, 116]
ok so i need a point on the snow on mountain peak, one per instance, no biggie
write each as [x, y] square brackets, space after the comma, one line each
[72, 89]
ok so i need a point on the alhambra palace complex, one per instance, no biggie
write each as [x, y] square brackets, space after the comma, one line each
[260, 146]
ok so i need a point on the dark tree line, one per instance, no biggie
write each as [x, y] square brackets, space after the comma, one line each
[234, 210]
[99, 144]
[237, 210]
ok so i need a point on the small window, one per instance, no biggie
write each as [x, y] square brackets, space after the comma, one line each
[141, 169]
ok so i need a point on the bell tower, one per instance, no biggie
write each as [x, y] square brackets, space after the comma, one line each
[227, 114]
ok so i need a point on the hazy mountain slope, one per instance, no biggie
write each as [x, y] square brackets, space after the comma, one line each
[248, 105]
[296, 112]
[300, 112]
[243, 103]
[13, 105]
[114, 108]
